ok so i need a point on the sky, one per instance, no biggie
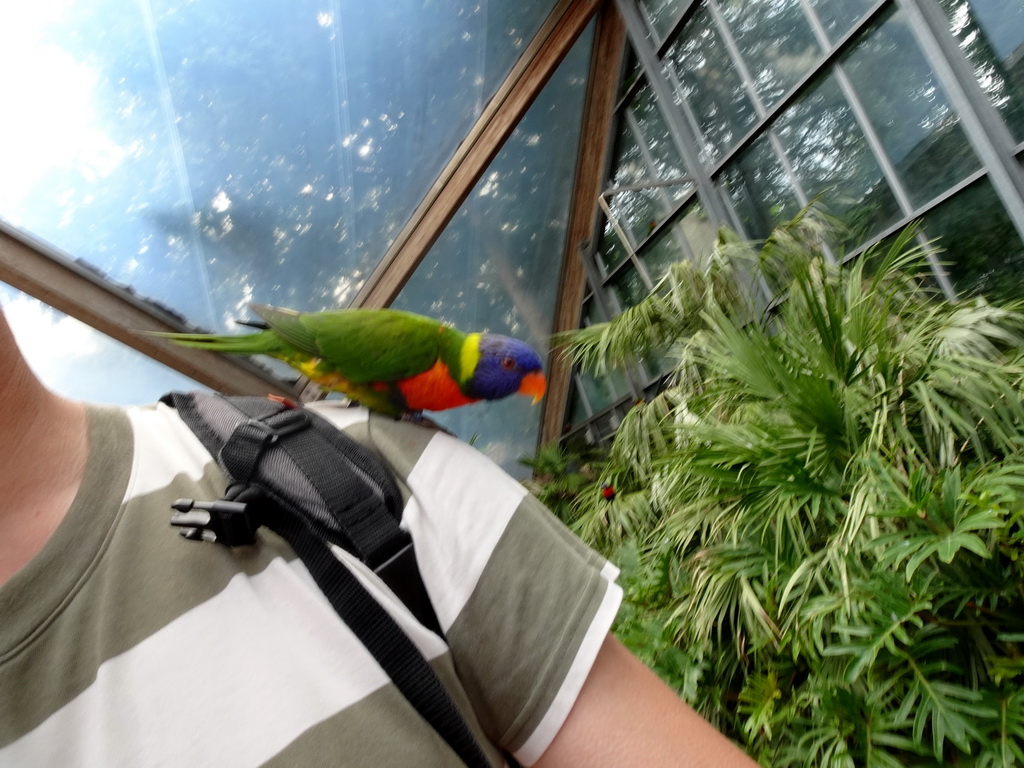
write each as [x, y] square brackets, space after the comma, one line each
[81, 363]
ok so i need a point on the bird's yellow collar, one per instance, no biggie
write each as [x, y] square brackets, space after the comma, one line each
[469, 355]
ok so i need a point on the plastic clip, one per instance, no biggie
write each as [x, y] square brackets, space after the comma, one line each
[227, 522]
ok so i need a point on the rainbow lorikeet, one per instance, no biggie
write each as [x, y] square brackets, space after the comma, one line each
[390, 361]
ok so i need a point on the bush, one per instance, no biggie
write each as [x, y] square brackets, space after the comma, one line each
[820, 517]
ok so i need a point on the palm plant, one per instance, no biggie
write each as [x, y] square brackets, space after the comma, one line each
[821, 513]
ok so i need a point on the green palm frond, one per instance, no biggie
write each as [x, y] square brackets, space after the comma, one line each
[834, 475]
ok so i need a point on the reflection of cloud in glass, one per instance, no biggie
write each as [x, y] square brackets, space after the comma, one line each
[79, 362]
[191, 152]
[59, 121]
[49, 340]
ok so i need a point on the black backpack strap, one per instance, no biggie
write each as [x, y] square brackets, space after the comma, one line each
[273, 454]
[390, 646]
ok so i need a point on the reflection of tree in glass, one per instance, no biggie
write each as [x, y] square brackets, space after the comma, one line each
[775, 41]
[759, 189]
[315, 130]
[839, 15]
[982, 251]
[832, 159]
[658, 142]
[909, 110]
[710, 85]
[610, 249]
[628, 289]
[633, 209]
[645, 157]
[663, 14]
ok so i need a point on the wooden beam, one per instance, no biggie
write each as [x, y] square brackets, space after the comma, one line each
[474, 154]
[605, 72]
[85, 295]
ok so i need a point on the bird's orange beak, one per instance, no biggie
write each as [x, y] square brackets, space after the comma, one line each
[533, 384]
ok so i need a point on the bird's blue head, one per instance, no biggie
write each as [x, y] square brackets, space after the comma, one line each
[506, 366]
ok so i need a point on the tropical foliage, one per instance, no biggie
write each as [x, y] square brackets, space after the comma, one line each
[820, 518]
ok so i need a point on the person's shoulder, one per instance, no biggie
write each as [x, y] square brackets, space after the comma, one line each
[340, 413]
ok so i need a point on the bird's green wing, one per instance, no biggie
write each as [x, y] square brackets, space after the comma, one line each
[365, 345]
[288, 325]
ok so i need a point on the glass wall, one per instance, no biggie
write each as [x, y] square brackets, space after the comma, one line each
[206, 155]
[886, 111]
[212, 153]
[495, 266]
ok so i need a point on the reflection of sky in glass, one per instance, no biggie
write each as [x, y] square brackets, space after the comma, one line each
[1002, 24]
[207, 153]
[79, 362]
[496, 265]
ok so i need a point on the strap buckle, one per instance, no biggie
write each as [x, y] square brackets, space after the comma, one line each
[232, 523]
[280, 424]
[241, 453]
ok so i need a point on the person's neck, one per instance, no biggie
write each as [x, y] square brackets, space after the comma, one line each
[43, 447]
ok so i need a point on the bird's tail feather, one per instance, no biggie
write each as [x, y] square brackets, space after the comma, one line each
[246, 344]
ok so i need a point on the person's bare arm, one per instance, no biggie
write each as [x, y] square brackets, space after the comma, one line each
[626, 716]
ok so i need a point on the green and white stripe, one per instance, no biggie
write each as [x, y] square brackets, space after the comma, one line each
[123, 644]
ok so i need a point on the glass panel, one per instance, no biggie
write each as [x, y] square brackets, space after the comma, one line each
[667, 249]
[776, 43]
[838, 16]
[663, 14]
[991, 35]
[207, 154]
[611, 251]
[78, 362]
[495, 266]
[759, 189]
[645, 156]
[592, 394]
[830, 157]
[983, 252]
[603, 391]
[664, 156]
[909, 110]
[692, 233]
[576, 411]
[604, 427]
[633, 209]
[627, 289]
[710, 85]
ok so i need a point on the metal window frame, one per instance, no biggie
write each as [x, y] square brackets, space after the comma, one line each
[54, 278]
[1001, 158]
[455, 182]
[577, 262]
[983, 125]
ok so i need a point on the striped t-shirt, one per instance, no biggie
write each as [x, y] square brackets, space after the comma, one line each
[123, 644]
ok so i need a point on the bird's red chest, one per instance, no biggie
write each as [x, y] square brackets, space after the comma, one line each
[432, 390]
